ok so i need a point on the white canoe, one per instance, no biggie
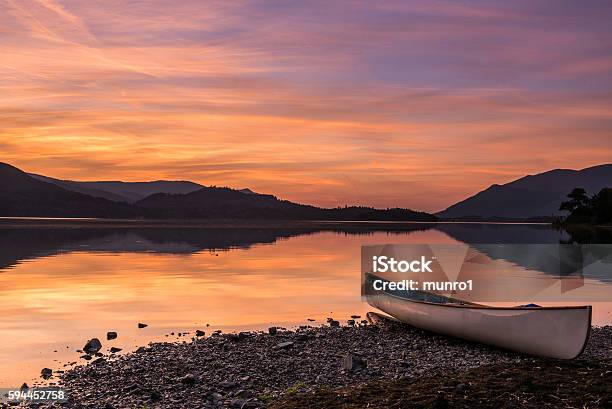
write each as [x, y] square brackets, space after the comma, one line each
[553, 332]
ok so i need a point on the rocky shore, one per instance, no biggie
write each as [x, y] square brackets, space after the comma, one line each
[326, 364]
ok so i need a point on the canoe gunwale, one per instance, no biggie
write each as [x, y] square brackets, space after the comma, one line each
[486, 307]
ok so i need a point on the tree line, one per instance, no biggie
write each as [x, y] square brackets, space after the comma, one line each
[596, 209]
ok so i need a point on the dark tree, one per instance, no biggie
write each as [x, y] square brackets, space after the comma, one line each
[601, 204]
[582, 209]
[578, 198]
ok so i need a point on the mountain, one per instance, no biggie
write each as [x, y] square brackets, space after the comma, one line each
[530, 196]
[123, 191]
[24, 196]
[226, 203]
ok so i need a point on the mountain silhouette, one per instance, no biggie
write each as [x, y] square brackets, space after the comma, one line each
[23, 196]
[226, 203]
[530, 196]
[123, 191]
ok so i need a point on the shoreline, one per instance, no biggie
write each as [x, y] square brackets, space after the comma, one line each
[40, 222]
[295, 368]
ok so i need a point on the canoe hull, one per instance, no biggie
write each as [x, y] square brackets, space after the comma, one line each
[553, 332]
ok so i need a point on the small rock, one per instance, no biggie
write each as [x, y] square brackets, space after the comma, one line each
[200, 333]
[141, 325]
[237, 403]
[461, 387]
[284, 345]
[352, 362]
[188, 379]
[252, 404]
[228, 384]
[355, 317]
[351, 323]
[46, 373]
[92, 346]
[272, 330]
[115, 350]
[86, 357]
[301, 337]
[334, 323]
[111, 335]
[131, 388]
[98, 361]
[24, 387]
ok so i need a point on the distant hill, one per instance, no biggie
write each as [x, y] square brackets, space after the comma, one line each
[123, 191]
[24, 196]
[530, 196]
[226, 203]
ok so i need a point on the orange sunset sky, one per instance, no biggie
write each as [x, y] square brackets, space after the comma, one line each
[396, 103]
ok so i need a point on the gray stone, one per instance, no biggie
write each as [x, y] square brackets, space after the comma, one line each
[188, 379]
[461, 387]
[46, 373]
[237, 403]
[352, 362]
[92, 346]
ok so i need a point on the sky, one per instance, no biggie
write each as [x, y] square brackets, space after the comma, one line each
[413, 104]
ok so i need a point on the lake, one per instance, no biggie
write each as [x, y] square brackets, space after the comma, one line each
[62, 283]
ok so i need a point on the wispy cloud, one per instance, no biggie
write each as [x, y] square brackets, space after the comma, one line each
[320, 102]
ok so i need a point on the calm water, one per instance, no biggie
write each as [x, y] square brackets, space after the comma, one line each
[62, 286]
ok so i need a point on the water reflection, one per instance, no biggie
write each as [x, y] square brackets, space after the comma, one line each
[61, 286]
